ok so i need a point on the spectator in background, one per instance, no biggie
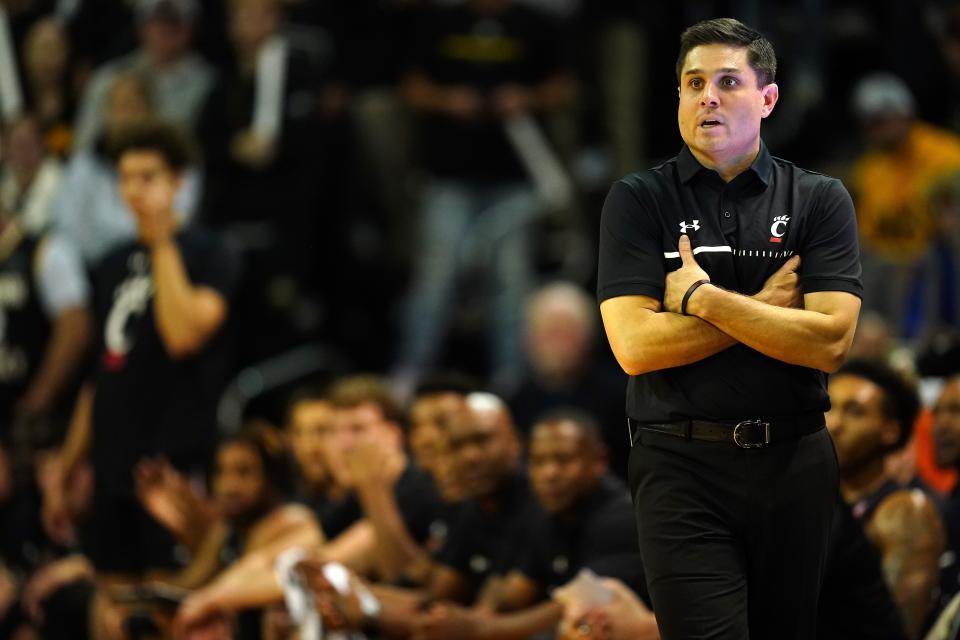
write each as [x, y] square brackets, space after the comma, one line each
[178, 79]
[872, 414]
[477, 65]
[438, 401]
[50, 84]
[30, 178]
[584, 520]
[250, 486]
[162, 358]
[309, 422]
[44, 318]
[565, 368]
[45, 329]
[946, 434]
[263, 169]
[89, 210]
[909, 275]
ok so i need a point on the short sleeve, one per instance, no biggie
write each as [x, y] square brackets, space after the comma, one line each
[631, 258]
[219, 266]
[830, 255]
[61, 277]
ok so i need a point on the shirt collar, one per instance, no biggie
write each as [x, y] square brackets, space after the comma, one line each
[761, 167]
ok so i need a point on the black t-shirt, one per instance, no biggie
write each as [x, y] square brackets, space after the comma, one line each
[741, 233]
[855, 603]
[417, 500]
[145, 402]
[599, 534]
[484, 542]
[24, 327]
[950, 562]
[457, 47]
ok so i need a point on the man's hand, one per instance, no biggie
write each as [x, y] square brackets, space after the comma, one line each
[680, 280]
[154, 209]
[167, 495]
[200, 616]
[462, 103]
[445, 621]
[625, 617]
[782, 289]
[55, 511]
[371, 463]
[339, 612]
[252, 149]
[511, 99]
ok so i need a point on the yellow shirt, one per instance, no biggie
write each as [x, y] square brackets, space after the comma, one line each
[893, 190]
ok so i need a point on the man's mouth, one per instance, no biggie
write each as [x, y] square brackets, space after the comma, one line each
[708, 124]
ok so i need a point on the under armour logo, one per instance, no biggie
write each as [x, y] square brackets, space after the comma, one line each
[684, 226]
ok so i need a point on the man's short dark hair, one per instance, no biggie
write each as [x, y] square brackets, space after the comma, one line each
[732, 32]
[901, 402]
[157, 136]
[588, 425]
[353, 391]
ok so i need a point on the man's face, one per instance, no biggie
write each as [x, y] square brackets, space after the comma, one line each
[147, 184]
[239, 483]
[562, 466]
[558, 339]
[351, 427]
[166, 38]
[721, 105]
[946, 425]
[311, 423]
[430, 416]
[861, 430]
[126, 105]
[483, 447]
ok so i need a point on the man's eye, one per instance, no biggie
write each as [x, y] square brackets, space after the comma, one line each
[730, 82]
[696, 83]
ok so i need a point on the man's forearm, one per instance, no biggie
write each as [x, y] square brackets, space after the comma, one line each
[802, 337]
[523, 624]
[649, 341]
[65, 350]
[77, 443]
[396, 549]
[185, 315]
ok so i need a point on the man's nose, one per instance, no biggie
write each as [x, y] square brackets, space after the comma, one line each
[709, 97]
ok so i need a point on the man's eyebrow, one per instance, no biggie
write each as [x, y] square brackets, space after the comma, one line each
[700, 71]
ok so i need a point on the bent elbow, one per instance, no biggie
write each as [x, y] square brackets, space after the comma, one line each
[833, 357]
[633, 366]
[181, 347]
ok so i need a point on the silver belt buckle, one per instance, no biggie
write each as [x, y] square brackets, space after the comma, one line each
[751, 423]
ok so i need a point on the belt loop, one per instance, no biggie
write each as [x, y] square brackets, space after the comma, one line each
[688, 429]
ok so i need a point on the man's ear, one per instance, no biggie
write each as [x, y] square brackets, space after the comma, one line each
[770, 94]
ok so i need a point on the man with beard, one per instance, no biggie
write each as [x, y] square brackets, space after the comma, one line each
[872, 414]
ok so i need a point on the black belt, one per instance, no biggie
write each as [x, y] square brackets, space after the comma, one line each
[746, 434]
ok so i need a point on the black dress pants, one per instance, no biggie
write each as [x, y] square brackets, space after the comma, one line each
[734, 541]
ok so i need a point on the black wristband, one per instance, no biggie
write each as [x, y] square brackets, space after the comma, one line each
[686, 296]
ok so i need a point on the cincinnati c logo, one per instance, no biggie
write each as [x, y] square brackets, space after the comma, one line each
[778, 228]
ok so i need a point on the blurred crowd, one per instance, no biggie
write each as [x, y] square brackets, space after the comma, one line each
[214, 214]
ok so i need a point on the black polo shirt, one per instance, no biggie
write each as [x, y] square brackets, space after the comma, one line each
[598, 533]
[741, 233]
[484, 539]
